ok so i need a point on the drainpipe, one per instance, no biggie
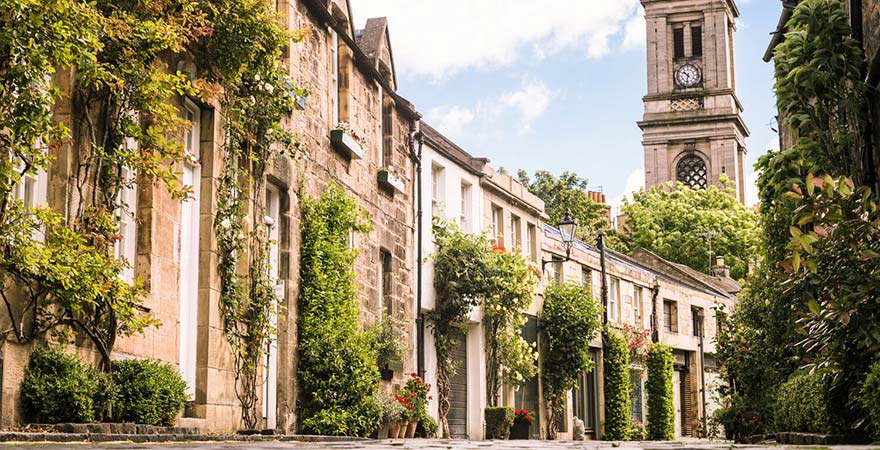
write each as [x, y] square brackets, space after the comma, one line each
[416, 156]
[604, 278]
[655, 324]
[703, 370]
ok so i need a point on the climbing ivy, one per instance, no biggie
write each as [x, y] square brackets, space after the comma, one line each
[617, 386]
[661, 413]
[337, 363]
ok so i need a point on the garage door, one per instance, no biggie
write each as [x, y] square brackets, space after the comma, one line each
[458, 397]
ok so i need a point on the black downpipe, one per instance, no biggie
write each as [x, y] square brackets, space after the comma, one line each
[655, 323]
[417, 194]
[604, 278]
[702, 319]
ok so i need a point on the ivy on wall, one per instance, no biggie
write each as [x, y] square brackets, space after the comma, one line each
[337, 363]
[618, 401]
[661, 412]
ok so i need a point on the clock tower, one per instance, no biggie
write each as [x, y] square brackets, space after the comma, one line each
[692, 129]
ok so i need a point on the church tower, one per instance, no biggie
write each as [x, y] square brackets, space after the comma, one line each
[692, 130]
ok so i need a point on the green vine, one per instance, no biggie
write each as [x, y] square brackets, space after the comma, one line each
[337, 361]
[242, 58]
[617, 386]
[661, 413]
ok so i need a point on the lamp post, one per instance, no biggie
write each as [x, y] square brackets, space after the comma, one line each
[567, 226]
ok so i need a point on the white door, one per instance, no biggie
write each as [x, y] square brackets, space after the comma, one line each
[189, 255]
[270, 359]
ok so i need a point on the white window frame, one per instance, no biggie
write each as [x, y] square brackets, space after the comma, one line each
[438, 190]
[466, 201]
[638, 294]
[189, 249]
[125, 248]
[515, 233]
[613, 298]
[498, 225]
[272, 221]
[380, 131]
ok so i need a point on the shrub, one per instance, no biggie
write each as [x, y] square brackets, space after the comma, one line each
[802, 404]
[150, 392]
[661, 412]
[569, 321]
[427, 427]
[498, 422]
[391, 409]
[337, 361]
[57, 387]
[617, 387]
[388, 341]
[637, 431]
[870, 398]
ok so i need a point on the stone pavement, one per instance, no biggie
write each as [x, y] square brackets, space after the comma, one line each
[419, 444]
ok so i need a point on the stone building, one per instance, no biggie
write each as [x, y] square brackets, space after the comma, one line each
[864, 18]
[172, 246]
[693, 130]
[670, 300]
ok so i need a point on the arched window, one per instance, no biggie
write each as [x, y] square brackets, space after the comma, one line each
[691, 171]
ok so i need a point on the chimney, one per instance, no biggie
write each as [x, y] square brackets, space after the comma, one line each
[720, 270]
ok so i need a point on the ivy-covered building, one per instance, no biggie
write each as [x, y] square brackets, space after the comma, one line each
[649, 299]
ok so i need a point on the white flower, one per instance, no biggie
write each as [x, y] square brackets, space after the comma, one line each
[257, 77]
[225, 223]
[269, 88]
[252, 100]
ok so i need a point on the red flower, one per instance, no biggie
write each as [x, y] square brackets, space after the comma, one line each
[430, 397]
[528, 419]
[413, 374]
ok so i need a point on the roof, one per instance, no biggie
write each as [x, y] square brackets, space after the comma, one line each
[347, 34]
[371, 40]
[451, 150]
[723, 285]
[779, 33]
[653, 266]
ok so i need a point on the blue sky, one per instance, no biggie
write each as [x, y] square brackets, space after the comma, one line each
[534, 86]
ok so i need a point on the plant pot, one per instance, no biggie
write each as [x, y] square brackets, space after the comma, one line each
[390, 181]
[346, 144]
[520, 430]
[393, 430]
[386, 374]
[411, 429]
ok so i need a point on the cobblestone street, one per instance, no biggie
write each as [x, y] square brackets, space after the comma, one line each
[423, 444]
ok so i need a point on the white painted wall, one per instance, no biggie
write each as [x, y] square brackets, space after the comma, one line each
[450, 209]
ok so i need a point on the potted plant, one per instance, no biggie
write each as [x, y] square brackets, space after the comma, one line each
[415, 395]
[522, 422]
[392, 410]
[347, 142]
[391, 180]
[405, 416]
[388, 341]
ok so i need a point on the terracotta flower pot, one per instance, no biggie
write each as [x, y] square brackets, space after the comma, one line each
[393, 430]
[411, 429]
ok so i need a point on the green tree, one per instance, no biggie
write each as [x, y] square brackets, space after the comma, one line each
[568, 192]
[681, 225]
[569, 321]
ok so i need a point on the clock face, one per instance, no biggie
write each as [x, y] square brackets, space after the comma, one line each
[688, 75]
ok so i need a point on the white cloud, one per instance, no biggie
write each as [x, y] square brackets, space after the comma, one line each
[635, 31]
[634, 182]
[530, 102]
[524, 105]
[439, 38]
[450, 120]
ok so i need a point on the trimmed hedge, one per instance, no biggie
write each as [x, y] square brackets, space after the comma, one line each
[870, 398]
[661, 410]
[499, 420]
[803, 404]
[617, 387]
[57, 388]
[149, 392]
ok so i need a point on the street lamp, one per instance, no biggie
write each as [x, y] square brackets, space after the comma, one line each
[567, 226]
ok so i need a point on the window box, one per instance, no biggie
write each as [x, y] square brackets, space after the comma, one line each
[387, 372]
[389, 180]
[299, 102]
[346, 144]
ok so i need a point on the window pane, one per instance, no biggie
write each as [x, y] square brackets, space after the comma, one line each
[697, 41]
[678, 42]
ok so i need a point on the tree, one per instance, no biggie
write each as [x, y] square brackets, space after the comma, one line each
[568, 192]
[692, 226]
[569, 321]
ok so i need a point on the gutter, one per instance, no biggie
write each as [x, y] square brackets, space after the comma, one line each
[779, 35]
